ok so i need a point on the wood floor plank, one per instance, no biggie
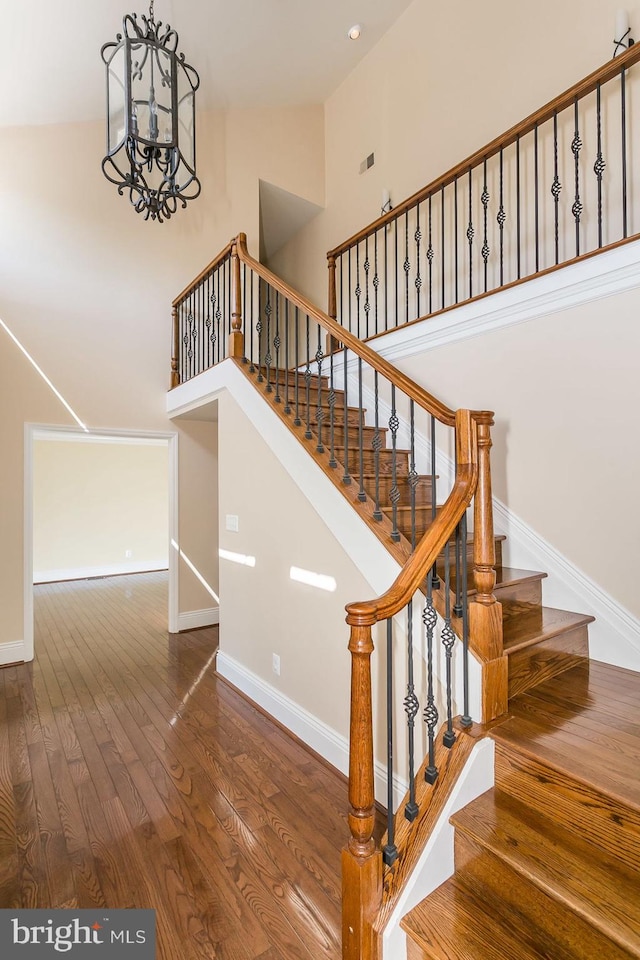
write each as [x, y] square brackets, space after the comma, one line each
[134, 776]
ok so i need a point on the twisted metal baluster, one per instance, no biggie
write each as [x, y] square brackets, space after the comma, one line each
[394, 493]
[389, 850]
[486, 250]
[430, 713]
[406, 266]
[448, 639]
[556, 186]
[576, 147]
[358, 290]
[367, 302]
[430, 255]
[320, 411]
[208, 321]
[599, 165]
[411, 707]
[376, 281]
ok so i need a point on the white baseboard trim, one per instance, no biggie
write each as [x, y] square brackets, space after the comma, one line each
[102, 570]
[13, 652]
[193, 619]
[322, 738]
[615, 636]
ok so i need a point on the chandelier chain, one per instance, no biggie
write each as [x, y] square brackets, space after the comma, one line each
[151, 10]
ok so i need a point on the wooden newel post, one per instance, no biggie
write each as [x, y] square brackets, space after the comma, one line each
[361, 861]
[332, 306]
[175, 348]
[485, 613]
[236, 337]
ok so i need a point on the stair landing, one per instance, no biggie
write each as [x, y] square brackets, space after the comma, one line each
[547, 862]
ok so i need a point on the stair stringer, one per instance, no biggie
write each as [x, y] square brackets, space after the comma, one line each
[436, 863]
[360, 544]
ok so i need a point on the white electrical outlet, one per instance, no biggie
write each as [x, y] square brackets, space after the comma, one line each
[275, 664]
[128, 554]
[232, 523]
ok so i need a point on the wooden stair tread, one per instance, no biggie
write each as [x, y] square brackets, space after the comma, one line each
[588, 881]
[527, 624]
[505, 576]
[465, 919]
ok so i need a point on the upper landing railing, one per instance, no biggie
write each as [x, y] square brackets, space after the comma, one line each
[555, 188]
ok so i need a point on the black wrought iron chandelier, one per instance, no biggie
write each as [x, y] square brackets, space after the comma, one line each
[151, 118]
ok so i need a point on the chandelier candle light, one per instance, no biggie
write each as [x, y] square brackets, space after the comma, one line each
[151, 133]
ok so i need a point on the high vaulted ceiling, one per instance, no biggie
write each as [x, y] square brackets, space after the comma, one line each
[246, 51]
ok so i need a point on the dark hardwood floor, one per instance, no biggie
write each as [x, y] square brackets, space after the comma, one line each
[131, 776]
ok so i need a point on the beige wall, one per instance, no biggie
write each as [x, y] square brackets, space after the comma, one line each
[95, 501]
[198, 514]
[86, 285]
[443, 81]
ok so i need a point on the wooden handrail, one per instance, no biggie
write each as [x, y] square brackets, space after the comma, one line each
[224, 253]
[439, 410]
[579, 90]
[427, 551]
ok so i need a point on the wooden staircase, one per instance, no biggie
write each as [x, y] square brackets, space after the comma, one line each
[539, 641]
[547, 861]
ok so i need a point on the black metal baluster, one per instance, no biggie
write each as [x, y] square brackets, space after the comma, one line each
[267, 357]
[576, 146]
[394, 493]
[430, 713]
[448, 639]
[222, 340]
[406, 266]
[367, 302]
[518, 250]
[307, 380]
[201, 327]
[418, 280]
[470, 234]
[556, 186]
[599, 165]
[362, 496]
[208, 322]
[411, 707]
[358, 290]
[377, 445]
[183, 343]
[349, 290]
[466, 717]
[296, 420]
[260, 378]
[320, 411]
[430, 259]
[443, 248]
[457, 607]
[386, 277]
[277, 343]
[412, 477]
[219, 304]
[376, 281]
[332, 414]
[397, 284]
[536, 195]
[190, 348]
[390, 851]
[455, 235]
[245, 326]
[485, 243]
[623, 115]
[501, 217]
[434, 497]
[287, 405]
[249, 325]
[346, 478]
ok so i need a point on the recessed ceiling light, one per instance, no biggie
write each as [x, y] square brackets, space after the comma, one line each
[354, 32]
